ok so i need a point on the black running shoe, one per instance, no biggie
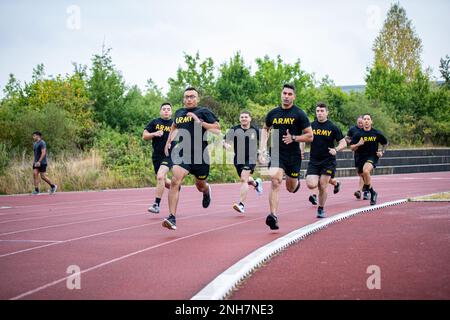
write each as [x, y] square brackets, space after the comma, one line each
[170, 222]
[313, 199]
[207, 198]
[373, 198]
[357, 194]
[366, 195]
[337, 187]
[272, 222]
[321, 213]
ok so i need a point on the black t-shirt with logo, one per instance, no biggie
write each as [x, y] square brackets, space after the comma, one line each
[159, 143]
[293, 119]
[187, 123]
[245, 143]
[372, 138]
[325, 135]
[353, 130]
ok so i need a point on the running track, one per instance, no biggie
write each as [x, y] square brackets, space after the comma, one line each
[124, 253]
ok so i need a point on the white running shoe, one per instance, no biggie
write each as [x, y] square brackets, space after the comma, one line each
[154, 208]
[239, 208]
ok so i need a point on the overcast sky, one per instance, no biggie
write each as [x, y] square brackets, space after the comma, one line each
[148, 38]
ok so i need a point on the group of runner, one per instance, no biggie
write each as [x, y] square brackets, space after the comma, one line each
[177, 147]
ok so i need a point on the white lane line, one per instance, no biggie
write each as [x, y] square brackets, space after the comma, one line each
[70, 224]
[32, 241]
[50, 284]
[224, 283]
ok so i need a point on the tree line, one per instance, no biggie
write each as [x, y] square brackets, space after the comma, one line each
[93, 107]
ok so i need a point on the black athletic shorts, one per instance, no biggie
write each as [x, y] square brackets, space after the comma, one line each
[360, 162]
[322, 167]
[289, 163]
[42, 168]
[158, 162]
[240, 167]
[200, 171]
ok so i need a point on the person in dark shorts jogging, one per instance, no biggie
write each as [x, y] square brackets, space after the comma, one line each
[366, 144]
[333, 181]
[244, 138]
[190, 154]
[322, 160]
[40, 163]
[158, 132]
[287, 125]
[350, 134]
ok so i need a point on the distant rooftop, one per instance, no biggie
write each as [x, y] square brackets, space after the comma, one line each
[355, 88]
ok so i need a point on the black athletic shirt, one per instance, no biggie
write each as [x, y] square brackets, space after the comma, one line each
[182, 121]
[372, 138]
[159, 143]
[37, 148]
[245, 143]
[353, 130]
[325, 134]
[293, 119]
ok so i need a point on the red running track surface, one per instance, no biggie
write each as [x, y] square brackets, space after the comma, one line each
[125, 253]
[407, 245]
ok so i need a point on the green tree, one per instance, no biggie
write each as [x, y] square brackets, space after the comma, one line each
[444, 69]
[197, 73]
[106, 89]
[397, 46]
[235, 84]
[272, 74]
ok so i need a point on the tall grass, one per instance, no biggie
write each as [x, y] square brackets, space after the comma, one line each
[70, 173]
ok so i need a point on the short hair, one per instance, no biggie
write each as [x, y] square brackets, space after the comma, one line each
[289, 86]
[246, 112]
[367, 114]
[359, 117]
[38, 133]
[322, 105]
[165, 104]
[191, 89]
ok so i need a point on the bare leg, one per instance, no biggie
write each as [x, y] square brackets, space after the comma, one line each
[366, 173]
[323, 194]
[245, 182]
[161, 181]
[312, 181]
[44, 177]
[202, 185]
[276, 177]
[36, 178]
[179, 174]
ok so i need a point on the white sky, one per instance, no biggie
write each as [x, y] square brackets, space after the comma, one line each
[148, 38]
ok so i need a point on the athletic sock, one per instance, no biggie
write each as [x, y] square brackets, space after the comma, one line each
[240, 203]
[320, 208]
[157, 201]
[371, 190]
[52, 185]
[36, 189]
[366, 187]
